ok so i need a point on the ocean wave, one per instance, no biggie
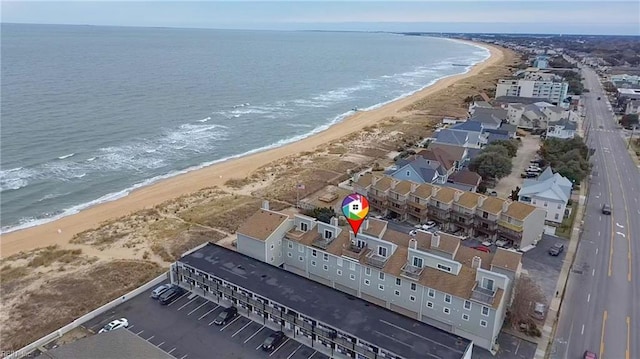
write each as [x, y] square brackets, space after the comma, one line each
[66, 156]
[205, 119]
[15, 178]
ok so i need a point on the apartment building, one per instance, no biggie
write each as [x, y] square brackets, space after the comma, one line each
[429, 277]
[554, 91]
[457, 211]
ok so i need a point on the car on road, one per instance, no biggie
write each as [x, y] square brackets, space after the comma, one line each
[482, 249]
[273, 340]
[413, 232]
[556, 249]
[426, 226]
[226, 315]
[115, 324]
[161, 289]
[589, 355]
[606, 209]
[170, 295]
[598, 97]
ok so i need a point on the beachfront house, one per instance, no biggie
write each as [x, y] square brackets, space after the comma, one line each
[550, 192]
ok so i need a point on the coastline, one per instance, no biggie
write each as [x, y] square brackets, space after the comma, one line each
[62, 230]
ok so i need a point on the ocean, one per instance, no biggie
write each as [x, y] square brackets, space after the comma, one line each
[90, 113]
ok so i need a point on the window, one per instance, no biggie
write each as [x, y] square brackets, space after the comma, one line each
[314, 253]
[408, 173]
[339, 272]
[467, 305]
[381, 275]
[339, 262]
[352, 266]
[367, 271]
[271, 245]
[559, 205]
[397, 292]
[325, 267]
[304, 227]
[328, 234]
[557, 216]
[290, 245]
[413, 287]
[352, 276]
[447, 298]
[444, 267]
[300, 248]
[545, 203]
[417, 262]
[289, 254]
[313, 263]
[446, 310]
[325, 257]
[380, 286]
[382, 251]
[398, 281]
[432, 293]
[485, 215]
[300, 259]
[272, 259]
[487, 283]
[367, 282]
[429, 305]
[485, 311]
[483, 323]
[465, 317]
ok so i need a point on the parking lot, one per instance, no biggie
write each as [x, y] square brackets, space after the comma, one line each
[185, 329]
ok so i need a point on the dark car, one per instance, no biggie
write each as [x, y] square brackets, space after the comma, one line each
[273, 341]
[226, 315]
[161, 289]
[606, 209]
[556, 249]
[598, 97]
[170, 295]
[590, 355]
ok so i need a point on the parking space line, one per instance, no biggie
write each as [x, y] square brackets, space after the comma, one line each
[151, 337]
[187, 303]
[138, 333]
[314, 353]
[278, 348]
[184, 356]
[207, 313]
[293, 352]
[200, 306]
[228, 324]
[254, 334]
[241, 329]
[171, 351]
[259, 345]
[160, 344]
[182, 296]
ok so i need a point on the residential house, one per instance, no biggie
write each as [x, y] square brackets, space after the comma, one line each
[550, 192]
[464, 211]
[417, 206]
[478, 104]
[520, 224]
[465, 180]
[490, 118]
[378, 192]
[632, 106]
[440, 206]
[469, 139]
[562, 129]
[420, 170]
[487, 215]
[261, 234]
[460, 155]
[398, 197]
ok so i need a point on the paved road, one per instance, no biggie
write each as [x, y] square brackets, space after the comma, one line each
[601, 308]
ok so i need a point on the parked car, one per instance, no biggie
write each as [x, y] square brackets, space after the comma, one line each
[598, 97]
[170, 295]
[482, 249]
[413, 232]
[159, 290]
[115, 324]
[273, 340]
[426, 226]
[539, 311]
[589, 355]
[226, 315]
[556, 249]
[606, 209]
[502, 243]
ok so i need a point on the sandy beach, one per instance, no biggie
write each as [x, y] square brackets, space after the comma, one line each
[61, 231]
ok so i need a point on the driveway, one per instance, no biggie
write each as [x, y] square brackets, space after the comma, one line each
[526, 153]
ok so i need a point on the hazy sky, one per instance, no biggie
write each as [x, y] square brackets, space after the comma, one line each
[523, 16]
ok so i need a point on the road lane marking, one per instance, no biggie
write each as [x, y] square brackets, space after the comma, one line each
[200, 306]
[151, 337]
[278, 348]
[588, 297]
[293, 352]
[593, 272]
[241, 329]
[171, 351]
[228, 324]
[187, 303]
[254, 334]
[604, 322]
[582, 331]
[628, 336]
[597, 248]
[160, 344]
[184, 356]
[621, 234]
[619, 225]
[207, 313]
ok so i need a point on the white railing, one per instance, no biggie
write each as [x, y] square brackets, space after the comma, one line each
[23, 352]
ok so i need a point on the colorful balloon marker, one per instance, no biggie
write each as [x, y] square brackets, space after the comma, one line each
[355, 208]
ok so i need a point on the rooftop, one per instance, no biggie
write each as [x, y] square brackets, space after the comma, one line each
[262, 224]
[455, 152]
[492, 205]
[394, 332]
[506, 259]
[466, 177]
[519, 210]
[468, 200]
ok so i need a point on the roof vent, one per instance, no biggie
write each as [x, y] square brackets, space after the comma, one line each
[476, 262]
[435, 240]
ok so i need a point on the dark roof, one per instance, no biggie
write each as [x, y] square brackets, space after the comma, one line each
[439, 155]
[394, 332]
[566, 123]
[455, 152]
[468, 126]
[497, 137]
[486, 118]
[116, 344]
[466, 177]
[452, 136]
[516, 99]
[508, 127]
[473, 152]
[425, 170]
[496, 112]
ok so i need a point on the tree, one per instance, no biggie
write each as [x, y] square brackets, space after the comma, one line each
[510, 145]
[514, 194]
[491, 165]
[322, 214]
[629, 120]
[496, 150]
[526, 294]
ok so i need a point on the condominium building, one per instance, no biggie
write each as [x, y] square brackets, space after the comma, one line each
[554, 91]
[429, 277]
[456, 211]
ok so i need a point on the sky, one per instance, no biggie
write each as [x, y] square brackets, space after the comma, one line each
[488, 16]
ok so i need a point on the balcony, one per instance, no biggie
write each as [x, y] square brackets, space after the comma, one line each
[510, 226]
[322, 243]
[410, 271]
[440, 213]
[463, 219]
[401, 200]
[354, 251]
[490, 221]
[483, 295]
[375, 260]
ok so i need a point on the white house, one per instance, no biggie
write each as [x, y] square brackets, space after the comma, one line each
[550, 192]
[554, 91]
[562, 129]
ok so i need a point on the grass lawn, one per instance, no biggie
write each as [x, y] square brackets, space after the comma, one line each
[565, 228]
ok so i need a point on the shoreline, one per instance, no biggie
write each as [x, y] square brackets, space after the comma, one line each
[61, 230]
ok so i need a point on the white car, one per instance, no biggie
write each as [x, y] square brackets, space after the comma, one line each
[116, 324]
[426, 226]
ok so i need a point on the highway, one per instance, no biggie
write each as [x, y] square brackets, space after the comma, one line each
[601, 307]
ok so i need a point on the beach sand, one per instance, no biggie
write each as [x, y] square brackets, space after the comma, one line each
[59, 232]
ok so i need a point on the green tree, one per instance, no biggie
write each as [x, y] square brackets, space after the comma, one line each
[496, 150]
[514, 194]
[629, 120]
[510, 145]
[491, 165]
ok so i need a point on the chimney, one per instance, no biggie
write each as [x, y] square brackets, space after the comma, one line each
[334, 221]
[413, 244]
[265, 204]
[476, 262]
[365, 224]
[505, 206]
[481, 200]
[435, 240]
[457, 195]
